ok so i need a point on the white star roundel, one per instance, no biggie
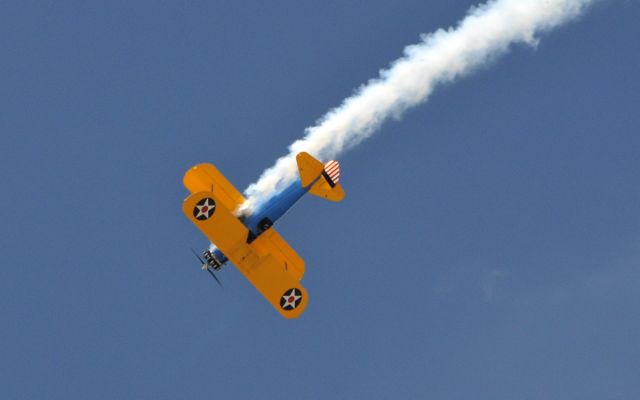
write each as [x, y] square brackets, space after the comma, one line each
[204, 209]
[291, 299]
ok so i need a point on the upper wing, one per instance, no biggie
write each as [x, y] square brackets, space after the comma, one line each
[206, 177]
[268, 262]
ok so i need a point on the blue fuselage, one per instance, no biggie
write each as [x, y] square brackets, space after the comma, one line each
[269, 212]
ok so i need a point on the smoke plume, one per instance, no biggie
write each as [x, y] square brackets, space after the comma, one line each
[487, 31]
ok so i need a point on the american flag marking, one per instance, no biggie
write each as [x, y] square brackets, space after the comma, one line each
[332, 168]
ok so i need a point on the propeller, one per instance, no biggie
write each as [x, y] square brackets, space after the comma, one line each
[206, 266]
[215, 277]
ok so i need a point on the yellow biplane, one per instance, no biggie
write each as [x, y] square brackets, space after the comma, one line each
[249, 241]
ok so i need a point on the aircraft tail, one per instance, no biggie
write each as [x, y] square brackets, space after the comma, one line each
[323, 178]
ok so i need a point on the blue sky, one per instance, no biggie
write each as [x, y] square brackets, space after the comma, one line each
[488, 247]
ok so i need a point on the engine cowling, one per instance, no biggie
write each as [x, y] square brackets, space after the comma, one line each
[211, 260]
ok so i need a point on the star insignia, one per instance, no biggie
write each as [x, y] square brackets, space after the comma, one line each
[204, 209]
[291, 299]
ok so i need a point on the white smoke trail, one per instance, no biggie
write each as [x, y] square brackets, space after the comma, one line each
[486, 32]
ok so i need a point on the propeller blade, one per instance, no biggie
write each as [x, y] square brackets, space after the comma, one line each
[198, 257]
[206, 266]
[215, 277]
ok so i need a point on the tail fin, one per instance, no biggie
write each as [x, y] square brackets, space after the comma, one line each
[324, 178]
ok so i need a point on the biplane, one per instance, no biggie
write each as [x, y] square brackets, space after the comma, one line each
[250, 241]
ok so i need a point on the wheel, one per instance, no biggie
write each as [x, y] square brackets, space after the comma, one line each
[264, 224]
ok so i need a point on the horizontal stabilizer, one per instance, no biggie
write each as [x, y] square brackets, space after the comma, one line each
[323, 189]
[309, 168]
[324, 178]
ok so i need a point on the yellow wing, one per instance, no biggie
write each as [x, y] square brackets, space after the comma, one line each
[270, 242]
[206, 177]
[268, 262]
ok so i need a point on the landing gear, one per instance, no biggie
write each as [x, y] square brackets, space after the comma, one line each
[264, 224]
